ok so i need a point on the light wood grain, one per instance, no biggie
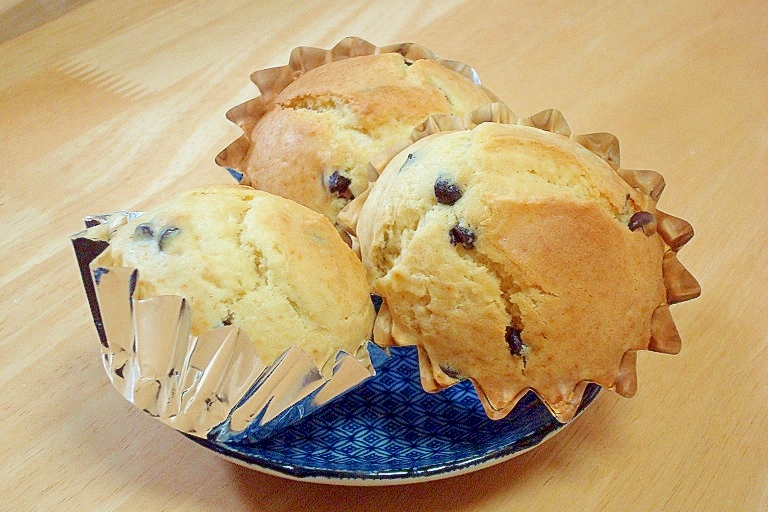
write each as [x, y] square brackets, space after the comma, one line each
[117, 105]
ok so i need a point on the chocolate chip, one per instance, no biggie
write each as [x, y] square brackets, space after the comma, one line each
[339, 185]
[165, 235]
[446, 191]
[143, 231]
[642, 220]
[462, 235]
[408, 161]
[450, 371]
[514, 340]
[227, 320]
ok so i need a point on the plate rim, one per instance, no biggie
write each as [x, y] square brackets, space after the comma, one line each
[396, 476]
[370, 480]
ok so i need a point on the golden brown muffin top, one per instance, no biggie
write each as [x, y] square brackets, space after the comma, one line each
[312, 141]
[514, 257]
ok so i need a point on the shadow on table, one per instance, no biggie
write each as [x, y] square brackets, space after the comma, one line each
[20, 17]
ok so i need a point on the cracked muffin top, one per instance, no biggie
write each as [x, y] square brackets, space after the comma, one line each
[254, 260]
[518, 259]
[314, 141]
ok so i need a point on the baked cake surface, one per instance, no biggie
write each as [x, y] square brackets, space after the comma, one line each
[516, 258]
[248, 258]
[314, 141]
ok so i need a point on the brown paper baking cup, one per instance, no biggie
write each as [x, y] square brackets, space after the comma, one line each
[272, 81]
[675, 233]
[213, 386]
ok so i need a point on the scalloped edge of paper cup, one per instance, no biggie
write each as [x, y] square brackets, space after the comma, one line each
[675, 233]
[271, 81]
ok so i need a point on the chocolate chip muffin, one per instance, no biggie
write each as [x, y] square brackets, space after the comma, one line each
[521, 260]
[310, 139]
[254, 260]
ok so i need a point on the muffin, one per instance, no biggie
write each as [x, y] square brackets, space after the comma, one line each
[243, 257]
[521, 260]
[310, 139]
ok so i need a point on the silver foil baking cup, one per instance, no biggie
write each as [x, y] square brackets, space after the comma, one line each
[214, 386]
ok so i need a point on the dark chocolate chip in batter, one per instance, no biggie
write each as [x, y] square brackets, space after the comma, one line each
[408, 161]
[446, 191]
[339, 185]
[462, 235]
[450, 371]
[165, 235]
[514, 340]
[640, 220]
[143, 231]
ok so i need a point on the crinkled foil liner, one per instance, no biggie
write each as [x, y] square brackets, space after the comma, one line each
[272, 81]
[214, 386]
[675, 233]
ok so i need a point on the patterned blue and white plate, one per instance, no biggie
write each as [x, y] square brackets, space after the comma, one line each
[389, 431]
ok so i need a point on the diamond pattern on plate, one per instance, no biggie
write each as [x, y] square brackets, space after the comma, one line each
[389, 428]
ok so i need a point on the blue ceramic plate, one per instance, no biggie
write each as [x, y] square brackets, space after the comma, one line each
[389, 431]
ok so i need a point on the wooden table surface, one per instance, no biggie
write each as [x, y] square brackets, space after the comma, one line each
[116, 105]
